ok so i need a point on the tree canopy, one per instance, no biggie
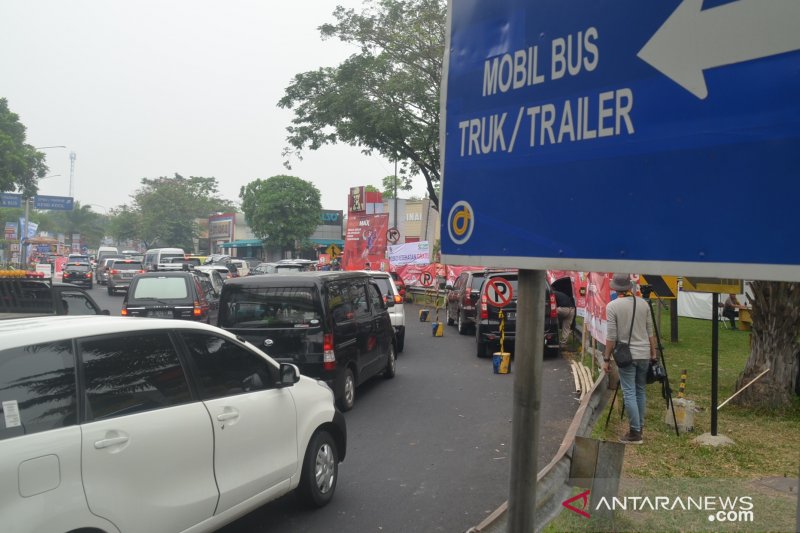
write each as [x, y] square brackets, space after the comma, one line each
[21, 165]
[392, 184]
[284, 210]
[167, 209]
[81, 220]
[385, 98]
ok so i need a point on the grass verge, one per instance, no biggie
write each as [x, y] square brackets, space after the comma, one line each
[762, 461]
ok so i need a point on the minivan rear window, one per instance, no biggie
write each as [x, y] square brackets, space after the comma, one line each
[127, 265]
[166, 258]
[254, 307]
[161, 288]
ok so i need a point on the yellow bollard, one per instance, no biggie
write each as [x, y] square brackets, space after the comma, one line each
[438, 329]
[423, 315]
[501, 361]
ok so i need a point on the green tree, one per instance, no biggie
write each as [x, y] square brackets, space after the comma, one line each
[124, 224]
[168, 207]
[82, 220]
[21, 165]
[392, 183]
[385, 98]
[285, 210]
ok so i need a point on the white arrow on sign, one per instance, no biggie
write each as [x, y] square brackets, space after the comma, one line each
[691, 40]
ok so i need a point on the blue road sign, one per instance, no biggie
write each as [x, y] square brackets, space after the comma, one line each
[54, 203]
[606, 135]
[10, 199]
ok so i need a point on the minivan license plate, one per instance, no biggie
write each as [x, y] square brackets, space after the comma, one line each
[161, 314]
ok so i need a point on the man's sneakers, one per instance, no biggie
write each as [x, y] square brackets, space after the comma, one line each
[631, 437]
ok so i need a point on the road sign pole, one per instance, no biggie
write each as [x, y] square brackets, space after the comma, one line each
[714, 360]
[527, 400]
[24, 249]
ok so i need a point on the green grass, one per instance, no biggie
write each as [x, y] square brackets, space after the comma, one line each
[765, 442]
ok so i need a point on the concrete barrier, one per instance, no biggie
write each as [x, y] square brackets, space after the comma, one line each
[552, 487]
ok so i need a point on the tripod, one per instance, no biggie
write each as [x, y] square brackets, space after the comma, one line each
[666, 390]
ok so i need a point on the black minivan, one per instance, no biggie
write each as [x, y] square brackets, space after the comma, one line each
[333, 325]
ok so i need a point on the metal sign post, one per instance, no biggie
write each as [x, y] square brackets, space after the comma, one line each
[529, 350]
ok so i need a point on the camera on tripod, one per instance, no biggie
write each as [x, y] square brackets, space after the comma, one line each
[647, 290]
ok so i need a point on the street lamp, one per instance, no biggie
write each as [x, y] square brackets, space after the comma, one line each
[71, 164]
[100, 206]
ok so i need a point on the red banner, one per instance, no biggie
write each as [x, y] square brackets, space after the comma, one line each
[430, 275]
[579, 282]
[365, 242]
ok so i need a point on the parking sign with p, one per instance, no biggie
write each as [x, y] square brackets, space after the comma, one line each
[499, 292]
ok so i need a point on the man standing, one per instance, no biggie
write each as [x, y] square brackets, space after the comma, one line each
[565, 307]
[638, 332]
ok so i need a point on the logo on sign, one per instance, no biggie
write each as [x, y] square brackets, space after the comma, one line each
[460, 222]
[499, 292]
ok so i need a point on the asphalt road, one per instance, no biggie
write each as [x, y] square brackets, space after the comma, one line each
[428, 450]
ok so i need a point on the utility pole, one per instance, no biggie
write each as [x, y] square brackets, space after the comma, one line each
[72, 158]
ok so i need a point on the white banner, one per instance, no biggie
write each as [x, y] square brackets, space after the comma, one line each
[410, 253]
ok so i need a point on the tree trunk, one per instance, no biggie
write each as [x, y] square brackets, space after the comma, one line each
[775, 345]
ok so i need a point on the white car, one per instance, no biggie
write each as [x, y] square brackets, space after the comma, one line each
[397, 312]
[242, 268]
[113, 424]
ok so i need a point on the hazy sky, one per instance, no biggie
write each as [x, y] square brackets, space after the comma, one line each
[150, 88]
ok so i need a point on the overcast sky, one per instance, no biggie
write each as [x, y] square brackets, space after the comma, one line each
[154, 87]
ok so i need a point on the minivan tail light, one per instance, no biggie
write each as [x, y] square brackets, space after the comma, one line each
[398, 299]
[328, 357]
[124, 311]
[467, 298]
[484, 308]
[553, 306]
[114, 272]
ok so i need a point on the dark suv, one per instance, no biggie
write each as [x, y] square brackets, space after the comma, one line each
[172, 294]
[487, 324]
[333, 325]
[462, 299]
[78, 274]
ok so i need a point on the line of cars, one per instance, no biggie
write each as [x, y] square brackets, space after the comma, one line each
[470, 311]
[144, 425]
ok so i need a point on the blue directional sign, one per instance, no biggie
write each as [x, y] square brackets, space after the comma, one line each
[10, 199]
[621, 135]
[55, 203]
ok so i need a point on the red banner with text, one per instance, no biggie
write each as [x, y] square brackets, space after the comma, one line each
[365, 242]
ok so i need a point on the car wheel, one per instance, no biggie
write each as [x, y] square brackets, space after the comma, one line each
[450, 320]
[401, 340]
[348, 396]
[320, 470]
[391, 364]
[462, 327]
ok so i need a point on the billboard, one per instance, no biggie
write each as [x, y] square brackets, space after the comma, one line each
[365, 241]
